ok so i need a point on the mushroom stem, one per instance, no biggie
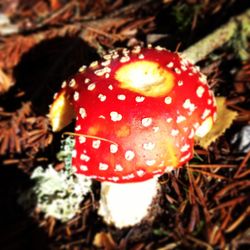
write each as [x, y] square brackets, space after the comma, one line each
[124, 205]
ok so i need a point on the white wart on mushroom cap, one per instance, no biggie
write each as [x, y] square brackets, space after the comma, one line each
[137, 112]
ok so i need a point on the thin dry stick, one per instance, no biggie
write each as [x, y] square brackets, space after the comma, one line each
[238, 221]
[219, 37]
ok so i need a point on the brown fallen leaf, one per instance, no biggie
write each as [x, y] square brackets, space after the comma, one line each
[225, 118]
[105, 241]
[5, 82]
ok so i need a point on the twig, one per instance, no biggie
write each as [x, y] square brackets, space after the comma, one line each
[219, 37]
[238, 221]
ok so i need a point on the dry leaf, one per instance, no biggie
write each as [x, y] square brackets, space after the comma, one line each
[105, 241]
[225, 117]
[5, 82]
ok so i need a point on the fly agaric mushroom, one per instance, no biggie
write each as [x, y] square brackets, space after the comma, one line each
[137, 112]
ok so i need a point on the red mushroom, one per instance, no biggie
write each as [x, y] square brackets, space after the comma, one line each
[137, 112]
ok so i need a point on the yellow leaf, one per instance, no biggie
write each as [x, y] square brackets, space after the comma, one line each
[104, 240]
[225, 118]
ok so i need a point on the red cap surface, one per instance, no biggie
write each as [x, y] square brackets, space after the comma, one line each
[137, 112]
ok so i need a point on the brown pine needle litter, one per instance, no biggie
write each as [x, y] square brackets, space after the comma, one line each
[205, 204]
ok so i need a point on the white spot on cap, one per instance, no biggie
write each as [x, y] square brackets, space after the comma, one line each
[180, 83]
[139, 98]
[203, 78]
[93, 64]
[114, 178]
[209, 101]
[177, 71]
[74, 153]
[148, 145]
[103, 166]
[102, 97]
[96, 144]
[82, 69]
[180, 119]
[87, 80]
[168, 100]
[156, 129]
[200, 91]
[115, 116]
[110, 87]
[136, 50]
[185, 148]
[188, 105]
[64, 84]
[205, 114]
[118, 168]
[184, 61]
[150, 162]
[129, 155]
[114, 56]
[84, 168]
[113, 148]
[174, 132]
[140, 172]
[184, 158]
[76, 96]
[191, 135]
[121, 97]
[124, 59]
[146, 122]
[107, 57]
[106, 63]
[183, 67]
[141, 56]
[195, 69]
[82, 139]
[82, 112]
[159, 48]
[129, 176]
[72, 83]
[91, 86]
[84, 157]
[78, 127]
[170, 65]
[169, 120]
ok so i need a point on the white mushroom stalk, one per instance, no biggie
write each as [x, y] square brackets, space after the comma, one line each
[137, 112]
[125, 205]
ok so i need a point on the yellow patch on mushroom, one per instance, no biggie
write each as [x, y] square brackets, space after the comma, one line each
[124, 131]
[61, 112]
[171, 156]
[145, 77]
[94, 130]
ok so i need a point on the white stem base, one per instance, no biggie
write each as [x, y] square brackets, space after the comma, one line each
[124, 205]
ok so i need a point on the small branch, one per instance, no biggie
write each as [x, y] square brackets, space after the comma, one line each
[219, 37]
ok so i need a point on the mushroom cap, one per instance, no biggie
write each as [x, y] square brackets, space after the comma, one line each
[137, 112]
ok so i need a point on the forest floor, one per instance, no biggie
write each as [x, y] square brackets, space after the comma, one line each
[205, 204]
